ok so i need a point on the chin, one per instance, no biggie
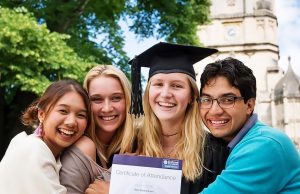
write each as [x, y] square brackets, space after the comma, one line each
[109, 129]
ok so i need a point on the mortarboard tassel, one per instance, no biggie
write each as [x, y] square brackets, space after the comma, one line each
[136, 98]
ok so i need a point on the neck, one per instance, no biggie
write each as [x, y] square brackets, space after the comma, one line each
[170, 135]
[104, 137]
[169, 140]
[170, 129]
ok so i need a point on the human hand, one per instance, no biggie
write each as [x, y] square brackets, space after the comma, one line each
[98, 187]
[131, 154]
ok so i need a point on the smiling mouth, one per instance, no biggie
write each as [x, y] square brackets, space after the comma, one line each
[166, 104]
[108, 118]
[218, 122]
[66, 132]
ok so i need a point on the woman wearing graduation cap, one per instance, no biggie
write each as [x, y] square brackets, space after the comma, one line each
[171, 124]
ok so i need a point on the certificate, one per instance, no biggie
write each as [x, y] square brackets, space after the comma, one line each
[145, 175]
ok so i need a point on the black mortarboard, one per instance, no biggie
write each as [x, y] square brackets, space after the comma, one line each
[163, 58]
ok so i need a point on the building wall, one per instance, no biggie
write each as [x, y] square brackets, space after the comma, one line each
[238, 29]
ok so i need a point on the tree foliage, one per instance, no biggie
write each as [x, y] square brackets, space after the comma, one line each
[31, 56]
[89, 20]
[174, 20]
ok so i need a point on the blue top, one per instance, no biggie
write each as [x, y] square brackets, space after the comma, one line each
[251, 121]
[265, 160]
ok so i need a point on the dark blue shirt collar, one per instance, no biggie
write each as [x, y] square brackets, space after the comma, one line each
[251, 121]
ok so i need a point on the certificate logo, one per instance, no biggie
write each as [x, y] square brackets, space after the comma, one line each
[170, 164]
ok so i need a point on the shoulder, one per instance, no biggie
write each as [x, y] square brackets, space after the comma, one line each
[87, 146]
[28, 146]
[262, 134]
[264, 142]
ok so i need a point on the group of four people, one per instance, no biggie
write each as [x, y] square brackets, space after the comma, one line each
[237, 154]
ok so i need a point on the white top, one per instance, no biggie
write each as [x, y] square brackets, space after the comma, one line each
[29, 167]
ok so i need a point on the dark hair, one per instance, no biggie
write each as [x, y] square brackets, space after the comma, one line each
[49, 98]
[239, 75]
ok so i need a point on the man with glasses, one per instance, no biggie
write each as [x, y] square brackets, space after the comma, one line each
[262, 159]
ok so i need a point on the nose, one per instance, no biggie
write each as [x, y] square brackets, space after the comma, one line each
[107, 107]
[215, 108]
[165, 92]
[71, 120]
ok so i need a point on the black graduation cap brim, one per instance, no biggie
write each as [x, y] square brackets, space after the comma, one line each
[171, 58]
[164, 58]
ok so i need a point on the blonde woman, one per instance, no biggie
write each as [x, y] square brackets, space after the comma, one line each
[172, 123]
[110, 95]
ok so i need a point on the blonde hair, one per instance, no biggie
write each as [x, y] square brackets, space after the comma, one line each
[124, 137]
[191, 143]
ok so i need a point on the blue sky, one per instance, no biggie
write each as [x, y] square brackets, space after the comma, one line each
[288, 14]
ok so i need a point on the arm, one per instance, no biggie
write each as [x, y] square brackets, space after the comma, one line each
[76, 173]
[87, 146]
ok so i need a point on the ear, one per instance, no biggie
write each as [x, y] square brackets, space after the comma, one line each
[41, 115]
[250, 105]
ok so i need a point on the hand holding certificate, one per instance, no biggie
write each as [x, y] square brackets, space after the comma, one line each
[140, 174]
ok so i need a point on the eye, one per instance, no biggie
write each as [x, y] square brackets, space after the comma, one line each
[81, 115]
[177, 86]
[117, 98]
[157, 84]
[63, 111]
[96, 100]
[205, 100]
[227, 100]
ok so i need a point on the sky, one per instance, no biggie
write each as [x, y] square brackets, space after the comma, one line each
[288, 14]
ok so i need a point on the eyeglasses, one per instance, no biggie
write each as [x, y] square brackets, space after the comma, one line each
[223, 102]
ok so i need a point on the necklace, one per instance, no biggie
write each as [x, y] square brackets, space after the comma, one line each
[168, 154]
[170, 135]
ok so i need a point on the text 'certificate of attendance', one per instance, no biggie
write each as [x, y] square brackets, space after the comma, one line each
[145, 175]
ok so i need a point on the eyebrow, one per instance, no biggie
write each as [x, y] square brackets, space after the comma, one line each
[115, 93]
[67, 106]
[172, 81]
[225, 94]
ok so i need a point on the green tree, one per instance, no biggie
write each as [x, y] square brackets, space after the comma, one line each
[32, 56]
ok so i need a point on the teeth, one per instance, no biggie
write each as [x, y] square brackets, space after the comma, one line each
[108, 118]
[166, 104]
[218, 122]
[67, 131]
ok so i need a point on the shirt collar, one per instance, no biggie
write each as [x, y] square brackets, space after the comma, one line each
[251, 121]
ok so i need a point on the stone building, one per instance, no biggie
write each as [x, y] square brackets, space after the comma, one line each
[285, 105]
[247, 30]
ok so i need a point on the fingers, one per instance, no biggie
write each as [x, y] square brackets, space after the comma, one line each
[98, 187]
[131, 154]
[89, 191]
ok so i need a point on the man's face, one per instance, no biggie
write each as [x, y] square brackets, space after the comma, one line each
[225, 123]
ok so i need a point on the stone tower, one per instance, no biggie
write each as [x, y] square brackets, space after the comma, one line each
[246, 30]
[286, 105]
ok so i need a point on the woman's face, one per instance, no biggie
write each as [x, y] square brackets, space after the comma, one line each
[169, 96]
[108, 104]
[64, 123]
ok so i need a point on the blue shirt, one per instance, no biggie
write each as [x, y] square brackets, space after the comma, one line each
[251, 121]
[264, 160]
